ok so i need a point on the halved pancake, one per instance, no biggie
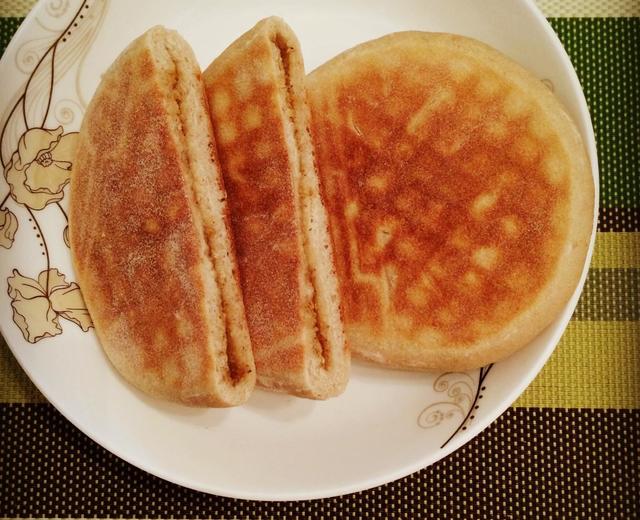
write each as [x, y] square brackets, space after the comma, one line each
[149, 230]
[460, 197]
[260, 118]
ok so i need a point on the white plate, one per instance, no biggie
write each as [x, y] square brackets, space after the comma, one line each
[388, 423]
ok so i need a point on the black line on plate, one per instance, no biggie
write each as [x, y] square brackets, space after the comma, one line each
[61, 209]
[483, 374]
[44, 244]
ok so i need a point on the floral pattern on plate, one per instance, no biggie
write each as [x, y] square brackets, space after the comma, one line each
[37, 162]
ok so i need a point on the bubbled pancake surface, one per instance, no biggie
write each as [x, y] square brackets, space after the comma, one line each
[247, 110]
[456, 186]
[260, 119]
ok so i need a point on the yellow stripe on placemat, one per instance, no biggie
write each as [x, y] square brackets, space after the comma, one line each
[616, 250]
[589, 8]
[15, 386]
[18, 8]
[595, 366]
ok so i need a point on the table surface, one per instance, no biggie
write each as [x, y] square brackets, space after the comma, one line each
[568, 448]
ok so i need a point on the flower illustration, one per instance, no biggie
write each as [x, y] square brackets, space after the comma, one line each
[8, 228]
[38, 304]
[41, 166]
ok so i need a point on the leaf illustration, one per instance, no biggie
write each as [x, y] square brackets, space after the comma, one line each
[32, 310]
[8, 228]
[37, 310]
[69, 304]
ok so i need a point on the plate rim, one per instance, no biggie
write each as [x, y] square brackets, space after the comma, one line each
[505, 401]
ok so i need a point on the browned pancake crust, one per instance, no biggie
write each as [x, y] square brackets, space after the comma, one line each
[254, 158]
[137, 242]
[244, 86]
[455, 185]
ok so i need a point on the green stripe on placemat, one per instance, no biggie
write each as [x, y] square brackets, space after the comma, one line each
[8, 26]
[559, 464]
[604, 53]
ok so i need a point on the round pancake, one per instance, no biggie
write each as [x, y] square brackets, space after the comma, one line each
[460, 195]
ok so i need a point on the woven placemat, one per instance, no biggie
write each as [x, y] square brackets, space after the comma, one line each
[568, 448]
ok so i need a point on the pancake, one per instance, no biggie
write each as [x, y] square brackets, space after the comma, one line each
[460, 197]
[149, 230]
[287, 271]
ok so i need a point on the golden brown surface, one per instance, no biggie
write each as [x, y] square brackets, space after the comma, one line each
[259, 114]
[138, 237]
[460, 195]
